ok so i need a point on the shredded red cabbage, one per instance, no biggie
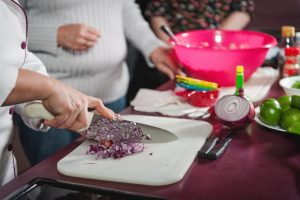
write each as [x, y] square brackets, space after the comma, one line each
[117, 138]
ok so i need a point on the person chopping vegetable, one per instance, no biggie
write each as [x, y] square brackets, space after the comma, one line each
[23, 79]
[83, 44]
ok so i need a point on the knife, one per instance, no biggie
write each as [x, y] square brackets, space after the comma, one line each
[209, 144]
[220, 148]
[216, 144]
[36, 110]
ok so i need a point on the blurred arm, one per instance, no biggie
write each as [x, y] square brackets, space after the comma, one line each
[138, 31]
[32, 82]
[29, 86]
[236, 21]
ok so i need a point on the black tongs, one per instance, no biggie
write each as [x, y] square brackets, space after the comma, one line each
[216, 144]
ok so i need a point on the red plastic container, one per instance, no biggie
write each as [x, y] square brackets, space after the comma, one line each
[213, 55]
[200, 98]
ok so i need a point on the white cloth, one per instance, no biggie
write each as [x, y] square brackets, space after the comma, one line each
[168, 103]
[100, 71]
[164, 102]
[12, 58]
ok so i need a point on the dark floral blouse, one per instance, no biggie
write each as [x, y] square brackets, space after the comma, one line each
[196, 14]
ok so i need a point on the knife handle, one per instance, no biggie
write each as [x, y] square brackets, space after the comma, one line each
[36, 110]
[220, 149]
[209, 144]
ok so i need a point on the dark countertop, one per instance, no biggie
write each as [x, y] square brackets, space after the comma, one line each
[260, 163]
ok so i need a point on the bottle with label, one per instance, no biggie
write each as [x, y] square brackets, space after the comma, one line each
[287, 36]
[291, 66]
[297, 44]
[287, 40]
[297, 39]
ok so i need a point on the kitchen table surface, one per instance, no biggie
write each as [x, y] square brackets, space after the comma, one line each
[260, 163]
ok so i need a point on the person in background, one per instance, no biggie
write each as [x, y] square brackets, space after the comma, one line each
[23, 79]
[184, 15]
[83, 44]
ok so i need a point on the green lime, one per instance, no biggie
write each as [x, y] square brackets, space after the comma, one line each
[270, 112]
[296, 85]
[290, 117]
[285, 107]
[295, 101]
[272, 100]
[295, 128]
[284, 99]
[285, 102]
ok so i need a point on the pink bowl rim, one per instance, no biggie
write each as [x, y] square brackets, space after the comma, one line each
[273, 42]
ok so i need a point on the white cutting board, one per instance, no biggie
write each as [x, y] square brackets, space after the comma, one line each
[158, 164]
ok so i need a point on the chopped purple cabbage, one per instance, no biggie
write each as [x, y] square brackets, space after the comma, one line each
[117, 138]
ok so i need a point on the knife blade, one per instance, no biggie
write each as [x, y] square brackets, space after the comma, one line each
[36, 110]
[156, 134]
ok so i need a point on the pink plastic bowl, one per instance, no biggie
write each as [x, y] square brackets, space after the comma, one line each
[213, 55]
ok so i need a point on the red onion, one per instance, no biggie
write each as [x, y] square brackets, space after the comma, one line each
[234, 111]
[116, 138]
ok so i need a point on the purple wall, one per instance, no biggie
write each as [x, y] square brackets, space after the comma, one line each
[272, 14]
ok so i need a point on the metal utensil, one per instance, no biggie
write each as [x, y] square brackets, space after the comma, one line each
[216, 144]
[157, 135]
[209, 144]
[220, 148]
[167, 31]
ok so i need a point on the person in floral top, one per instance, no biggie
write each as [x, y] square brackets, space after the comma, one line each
[183, 15]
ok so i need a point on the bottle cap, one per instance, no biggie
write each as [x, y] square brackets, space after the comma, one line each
[239, 69]
[292, 51]
[288, 31]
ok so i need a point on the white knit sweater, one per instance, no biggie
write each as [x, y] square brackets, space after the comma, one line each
[101, 70]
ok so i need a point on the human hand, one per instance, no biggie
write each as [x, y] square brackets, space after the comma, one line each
[163, 62]
[156, 22]
[77, 36]
[70, 107]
